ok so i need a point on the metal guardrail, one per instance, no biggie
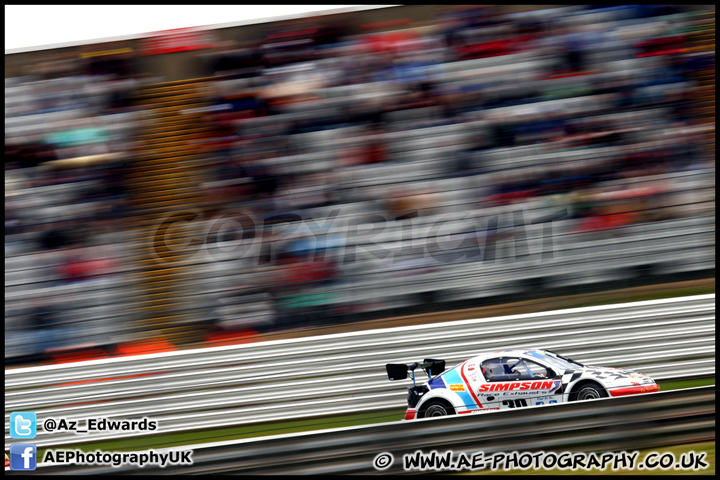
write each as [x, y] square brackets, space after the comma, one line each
[609, 424]
[344, 373]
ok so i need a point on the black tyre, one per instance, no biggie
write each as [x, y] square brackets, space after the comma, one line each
[436, 409]
[588, 391]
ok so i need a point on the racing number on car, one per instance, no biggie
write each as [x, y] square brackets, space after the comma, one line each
[515, 403]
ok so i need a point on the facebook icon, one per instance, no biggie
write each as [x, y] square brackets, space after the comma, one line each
[23, 456]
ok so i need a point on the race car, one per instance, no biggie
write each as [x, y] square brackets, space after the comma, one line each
[511, 379]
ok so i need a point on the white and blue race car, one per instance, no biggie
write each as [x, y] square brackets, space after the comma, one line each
[511, 379]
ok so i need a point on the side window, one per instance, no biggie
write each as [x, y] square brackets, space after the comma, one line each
[538, 371]
[500, 369]
[504, 369]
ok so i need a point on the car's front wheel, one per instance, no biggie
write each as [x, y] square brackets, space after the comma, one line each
[588, 391]
[436, 409]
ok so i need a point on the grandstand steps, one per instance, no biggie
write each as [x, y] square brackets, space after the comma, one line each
[177, 194]
[163, 271]
[162, 136]
[172, 124]
[190, 117]
[160, 94]
[142, 200]
[177, 160]
[166, 181]
[158, 152]
[702, 40]
[152, 174]
[181, 100]
[151, 222]
[162, 286]
[168, 172]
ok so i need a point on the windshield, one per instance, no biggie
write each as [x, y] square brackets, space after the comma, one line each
[561, 363]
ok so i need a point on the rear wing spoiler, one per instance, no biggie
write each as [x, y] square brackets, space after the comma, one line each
[399, 371]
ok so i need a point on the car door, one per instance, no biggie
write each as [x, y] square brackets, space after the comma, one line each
[515, 382]
[545, 383]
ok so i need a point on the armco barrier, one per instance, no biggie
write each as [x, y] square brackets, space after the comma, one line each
[610, 424]
[343, 373]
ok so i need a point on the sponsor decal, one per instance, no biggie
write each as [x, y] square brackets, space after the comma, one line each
[606, 373]
[619, 392]
[537, 353]
[457, 388]
[471, 398]
[478, 410]
[471, 367]
[518, 386]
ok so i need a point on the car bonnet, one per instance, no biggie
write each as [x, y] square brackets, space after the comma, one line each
[615, 376]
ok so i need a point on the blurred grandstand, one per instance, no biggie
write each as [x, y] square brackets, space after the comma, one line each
[352, 166]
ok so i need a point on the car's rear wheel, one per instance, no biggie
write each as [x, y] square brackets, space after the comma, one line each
[436, 408]
[588, 391]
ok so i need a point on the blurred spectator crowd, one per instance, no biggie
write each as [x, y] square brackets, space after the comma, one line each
[69, 127]
[484, 154]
